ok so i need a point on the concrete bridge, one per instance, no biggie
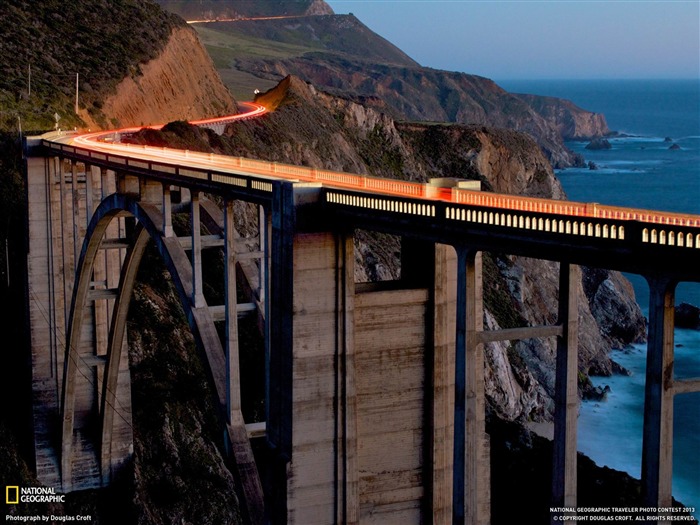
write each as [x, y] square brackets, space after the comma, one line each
[374, 392]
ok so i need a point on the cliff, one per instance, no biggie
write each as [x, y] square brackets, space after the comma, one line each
[570, 121]
[313, 128]
[134, 64]
[339, 133]
[180, 84]
[341, 55]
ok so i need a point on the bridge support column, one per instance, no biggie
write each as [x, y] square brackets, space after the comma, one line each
[247, 475]
[75, 208]
[279, 352]
[441, 383]
[151, 191]
[46, 310]
[471, 479]
[197, 280]
[321, 481]
[233, 385]
[566, 392]
[167, 212]
[657, 439]
[65, 206]
[263, 238]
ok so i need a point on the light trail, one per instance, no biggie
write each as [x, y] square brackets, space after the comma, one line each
[100, 142]
[242, 19]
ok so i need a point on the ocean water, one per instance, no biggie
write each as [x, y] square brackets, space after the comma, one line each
[640, 171]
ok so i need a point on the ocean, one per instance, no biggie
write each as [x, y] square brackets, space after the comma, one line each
[640, 171]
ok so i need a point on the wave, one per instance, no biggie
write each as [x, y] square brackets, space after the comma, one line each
[610, 431]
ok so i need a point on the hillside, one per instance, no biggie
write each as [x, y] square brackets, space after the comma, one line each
[341, 55]
[221, 9]
[45, 44]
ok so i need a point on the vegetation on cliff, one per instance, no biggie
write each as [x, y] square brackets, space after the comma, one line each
[224, 9]
[102, 42]
[177, 431]
[341, 55]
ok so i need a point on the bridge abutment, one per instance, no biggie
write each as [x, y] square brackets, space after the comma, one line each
[372, 390]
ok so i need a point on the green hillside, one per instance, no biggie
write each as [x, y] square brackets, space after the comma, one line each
[234, 45]
[211, 9]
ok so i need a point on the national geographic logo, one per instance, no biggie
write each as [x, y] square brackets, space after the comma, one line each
[12, 494]
[15, 494]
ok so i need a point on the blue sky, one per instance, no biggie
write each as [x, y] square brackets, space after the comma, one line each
[528, 39]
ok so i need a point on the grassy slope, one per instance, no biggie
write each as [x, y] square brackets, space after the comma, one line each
[341, 36]
[227, 46]
[194, 10]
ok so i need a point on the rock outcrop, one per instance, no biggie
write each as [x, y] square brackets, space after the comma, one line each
[415, 93]
[599, 144]
[342, 55]
[687, 316]
[521, 376]
[570, 121]
[178, 437]
[180, 84]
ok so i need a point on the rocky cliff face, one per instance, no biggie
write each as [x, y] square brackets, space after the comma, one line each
[179, 473]
[570, 121]
[423, 94]
[341, 55]
[312, 128]
[180, 84]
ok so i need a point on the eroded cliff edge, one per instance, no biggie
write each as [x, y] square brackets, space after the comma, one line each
[181, 83]
[128, 63]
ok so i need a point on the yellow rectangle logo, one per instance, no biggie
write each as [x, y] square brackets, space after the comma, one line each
[11, 495]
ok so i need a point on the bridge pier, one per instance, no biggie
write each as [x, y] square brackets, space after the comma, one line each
[657, 440]
[564, 464]
[62, 197]
[471, 475]
[369, 441]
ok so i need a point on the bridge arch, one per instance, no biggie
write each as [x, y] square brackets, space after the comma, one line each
[150, 224]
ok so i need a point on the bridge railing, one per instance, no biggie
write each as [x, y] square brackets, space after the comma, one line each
[560, 218]
[555, 216]
[165, 170]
